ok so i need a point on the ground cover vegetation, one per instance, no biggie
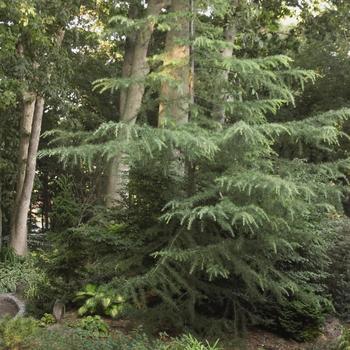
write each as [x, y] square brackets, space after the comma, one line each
[179, 164]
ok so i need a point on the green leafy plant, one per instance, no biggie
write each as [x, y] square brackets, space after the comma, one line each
[301, 317]
[100, 300]
[8, 255]
[26, 273]
[66, 209]
[188, 342]
[301, 321]
[78, 338]
[64, 338]
[47, 319]
[94, 325]
[338, 281]
[89, 252]
[14, 332]
[344, 342]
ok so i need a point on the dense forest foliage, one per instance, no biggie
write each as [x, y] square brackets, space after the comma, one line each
[180, 165]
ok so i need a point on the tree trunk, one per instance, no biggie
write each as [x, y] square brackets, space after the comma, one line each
[29, 99]
[45, 202]
[174, 100]
[115, 182]
[135, 67]
[227, 53]
[0, 215]
[19, 235]
[30, 135]
[128, 58]
[175, 97]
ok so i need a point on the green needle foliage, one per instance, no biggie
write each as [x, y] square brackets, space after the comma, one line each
[241, 224]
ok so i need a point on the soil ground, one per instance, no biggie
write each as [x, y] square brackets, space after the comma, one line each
[262, 340]
[7, 309]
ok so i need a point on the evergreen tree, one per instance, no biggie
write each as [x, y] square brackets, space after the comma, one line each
[246, 225]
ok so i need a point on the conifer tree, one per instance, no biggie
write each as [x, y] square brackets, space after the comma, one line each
[252, 228]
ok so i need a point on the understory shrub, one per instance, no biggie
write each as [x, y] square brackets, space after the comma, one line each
[301, 319]
[188, 342]
[340, 343]
[324, 345]
[23, 274]
[338, 281]
[92, 324]
[69, 339]
[66, 209]
[15, 332]
[84, 254]
[301, 314]
[47, 320]
[344, 342]
[77, 339]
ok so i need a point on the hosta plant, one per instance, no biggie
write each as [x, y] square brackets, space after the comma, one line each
[94, 325]
[99, 300]
[47, 320]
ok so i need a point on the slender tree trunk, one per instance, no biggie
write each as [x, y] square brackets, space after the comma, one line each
[174, 100]
[176, 97]
[128, 58]
[115, 181]
[192, 59]
[19, 235]
[45, 202]
[29, 99]
[135, 67]
[190, 165]
[30, 135]
[0, 215]
[227, 53]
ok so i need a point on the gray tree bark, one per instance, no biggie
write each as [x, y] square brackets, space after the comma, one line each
[0, 215]
[29, 142]
[176, 96]
[135, 67]
[174, 100]
[29, 100]
[19, 235]
[227, 53]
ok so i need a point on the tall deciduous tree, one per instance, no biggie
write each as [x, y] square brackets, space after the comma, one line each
[18, 238]
[227, 53]
[31, 123]
[19, 227]
[175, 94]
[135, 69]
